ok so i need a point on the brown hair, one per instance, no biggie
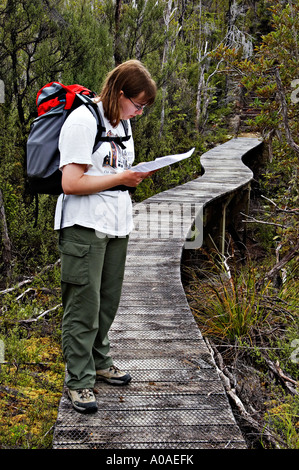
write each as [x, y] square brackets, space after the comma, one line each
[132, 78]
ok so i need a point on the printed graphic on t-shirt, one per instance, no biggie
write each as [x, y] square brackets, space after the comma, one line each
[112, 158]
[117, 158]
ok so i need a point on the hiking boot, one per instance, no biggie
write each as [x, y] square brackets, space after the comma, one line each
[114, 376]
[83, 400]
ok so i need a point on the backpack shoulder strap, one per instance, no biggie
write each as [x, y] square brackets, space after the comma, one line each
[125, 126]
[94, 109]
[101, 132]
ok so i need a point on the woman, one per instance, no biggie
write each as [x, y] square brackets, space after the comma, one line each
[94, 217]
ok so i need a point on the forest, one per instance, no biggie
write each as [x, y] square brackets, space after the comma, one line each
[223, 68]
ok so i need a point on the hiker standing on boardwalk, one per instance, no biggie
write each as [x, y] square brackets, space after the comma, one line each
[94, 217]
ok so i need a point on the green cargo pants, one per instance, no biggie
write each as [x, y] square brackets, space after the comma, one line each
[92, 270]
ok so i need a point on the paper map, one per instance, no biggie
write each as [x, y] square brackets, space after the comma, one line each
[161, 162]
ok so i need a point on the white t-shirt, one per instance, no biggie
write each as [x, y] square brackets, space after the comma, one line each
[108, 212]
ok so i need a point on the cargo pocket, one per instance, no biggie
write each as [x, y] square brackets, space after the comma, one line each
[74, 262]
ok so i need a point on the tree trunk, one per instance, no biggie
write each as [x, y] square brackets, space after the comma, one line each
[167, 18]
[5, 242]
[117, 53]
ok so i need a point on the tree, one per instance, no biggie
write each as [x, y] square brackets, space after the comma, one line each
[168, 17]
[41, 41]
[44, 41]
[267, 79]
[269, 74]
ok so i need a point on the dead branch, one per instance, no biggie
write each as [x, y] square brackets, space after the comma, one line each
[253, 220]
[30, 289]
[30, 279]
[283, 378]
[21, 284]
[11, 391]
[231, 392]
[279, 209]
[278, 266]
[31, 320]
[45, 290]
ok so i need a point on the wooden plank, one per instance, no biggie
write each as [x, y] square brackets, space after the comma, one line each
[200, 436]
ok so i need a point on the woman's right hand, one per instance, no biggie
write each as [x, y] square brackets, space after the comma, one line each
[76, 181]
[133, 178]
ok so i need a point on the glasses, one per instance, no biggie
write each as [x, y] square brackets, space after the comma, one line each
[139, 107]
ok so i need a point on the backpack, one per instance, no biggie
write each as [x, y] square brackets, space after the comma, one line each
[55, 102]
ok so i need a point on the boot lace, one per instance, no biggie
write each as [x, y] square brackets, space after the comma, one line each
[85, 393]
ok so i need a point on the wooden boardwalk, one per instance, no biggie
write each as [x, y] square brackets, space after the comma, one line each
[176, 399]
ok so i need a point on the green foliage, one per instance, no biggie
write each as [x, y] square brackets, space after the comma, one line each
[234, 307]
[253, 328]
[282, 416]
[32, 374]
[286, 347]
[140, 30]
[33, 246]
[86, 47]
[278, 51]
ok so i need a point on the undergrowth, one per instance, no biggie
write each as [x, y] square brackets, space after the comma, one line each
[255, 328]
[32, 368]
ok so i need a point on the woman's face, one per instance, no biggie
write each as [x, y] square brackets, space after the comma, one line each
[131, 107]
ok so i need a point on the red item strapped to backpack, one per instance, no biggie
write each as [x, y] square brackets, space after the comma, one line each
[53, 94]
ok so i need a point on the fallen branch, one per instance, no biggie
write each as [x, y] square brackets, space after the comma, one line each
[278, 266]
[31, 320]
[30, 279]
[21, 284]
[231, 392]
[45, 290]
[279, 209]
[11, 391]
[284, 379]
[253, 220]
